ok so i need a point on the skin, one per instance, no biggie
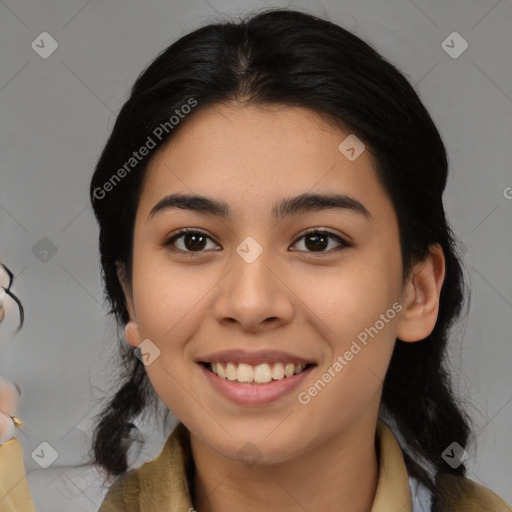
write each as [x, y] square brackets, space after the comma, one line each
[319, 456]
[9, 395]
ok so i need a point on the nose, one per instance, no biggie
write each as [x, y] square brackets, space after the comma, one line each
[254, 295]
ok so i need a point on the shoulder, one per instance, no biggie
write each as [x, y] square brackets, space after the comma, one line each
[14, 491]
[151, 486]
[123, 494]
[458, 493]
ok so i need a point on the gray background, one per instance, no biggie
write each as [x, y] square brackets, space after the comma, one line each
[56, 114]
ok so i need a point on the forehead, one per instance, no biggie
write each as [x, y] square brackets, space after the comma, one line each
[253, 156]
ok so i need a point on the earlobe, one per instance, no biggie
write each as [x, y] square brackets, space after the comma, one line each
[131, 333]
[421, 298]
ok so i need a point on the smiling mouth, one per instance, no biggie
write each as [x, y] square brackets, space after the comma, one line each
[255, 374]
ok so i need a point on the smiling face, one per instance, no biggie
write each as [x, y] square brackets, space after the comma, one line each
[251, 280]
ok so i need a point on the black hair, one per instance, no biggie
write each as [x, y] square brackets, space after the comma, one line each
[11, 294]
[286, 57]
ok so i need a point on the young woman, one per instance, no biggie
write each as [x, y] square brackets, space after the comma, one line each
[273, 240]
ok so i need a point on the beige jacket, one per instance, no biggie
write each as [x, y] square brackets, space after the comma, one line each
[162, 485]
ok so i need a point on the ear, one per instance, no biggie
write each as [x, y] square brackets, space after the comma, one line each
[420, 298]
[131, 332]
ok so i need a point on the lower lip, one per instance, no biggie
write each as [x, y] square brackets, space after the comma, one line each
[255, 394]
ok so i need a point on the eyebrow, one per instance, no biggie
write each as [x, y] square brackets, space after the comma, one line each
[300, 204]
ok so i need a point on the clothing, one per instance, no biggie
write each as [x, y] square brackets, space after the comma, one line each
[164, 483]
[421, 496]
[14, 492]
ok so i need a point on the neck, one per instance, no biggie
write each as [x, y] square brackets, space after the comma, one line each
[341, 475]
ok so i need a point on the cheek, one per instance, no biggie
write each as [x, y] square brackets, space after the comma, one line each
[167, 294]
[346, 299]
[358, 322]
[354, 309]
[169, 303]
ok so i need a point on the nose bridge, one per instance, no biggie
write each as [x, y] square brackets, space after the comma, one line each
[252, 293]
[251, 269]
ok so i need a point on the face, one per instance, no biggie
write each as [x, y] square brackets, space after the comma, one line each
[254, 282]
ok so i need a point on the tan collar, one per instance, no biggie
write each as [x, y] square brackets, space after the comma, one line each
[162, 484]
[393, 492]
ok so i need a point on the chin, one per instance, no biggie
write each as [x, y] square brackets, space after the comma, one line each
[256, 449]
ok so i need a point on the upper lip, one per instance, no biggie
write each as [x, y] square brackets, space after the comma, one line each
[254, 357]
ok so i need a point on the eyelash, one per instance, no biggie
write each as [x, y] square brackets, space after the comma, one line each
[315, 231]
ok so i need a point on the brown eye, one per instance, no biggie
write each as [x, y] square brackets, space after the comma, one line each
[192, 241]
[317, 241]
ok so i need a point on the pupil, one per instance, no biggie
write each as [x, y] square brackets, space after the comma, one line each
[188, 237]
[316, 244]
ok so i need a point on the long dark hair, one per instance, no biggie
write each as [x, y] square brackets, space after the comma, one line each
[280, 56]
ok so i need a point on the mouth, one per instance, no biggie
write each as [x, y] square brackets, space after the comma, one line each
[259, 374]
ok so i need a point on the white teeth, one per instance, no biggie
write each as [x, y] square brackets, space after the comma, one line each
[299, 368]
[231, 371]
[289, 369]
[261, 373]
[278, 371]
[245, 373]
